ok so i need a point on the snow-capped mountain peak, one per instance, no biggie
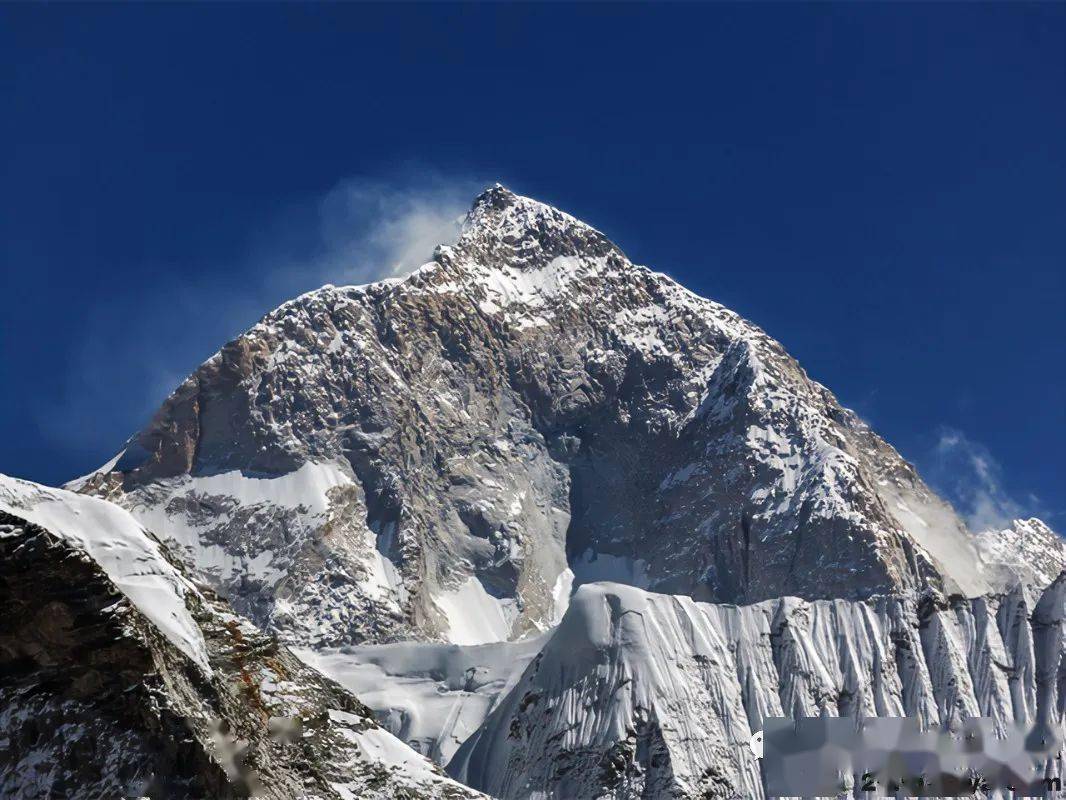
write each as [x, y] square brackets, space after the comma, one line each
[505, 228]
[524, 413]
[570, 529]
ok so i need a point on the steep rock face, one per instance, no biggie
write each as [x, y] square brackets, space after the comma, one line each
[98, 700]
[79, 714]
[112, 539]
[368, 462]
[645, 695]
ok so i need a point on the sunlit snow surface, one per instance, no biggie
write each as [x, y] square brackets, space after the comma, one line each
[378, 746]
[430, 696]
[120, 545]
[474, 616]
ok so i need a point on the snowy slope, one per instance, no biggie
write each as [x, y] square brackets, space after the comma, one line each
[430, 696]
[645, 695]
[1028, 551]
[112, 538]
[265, 542]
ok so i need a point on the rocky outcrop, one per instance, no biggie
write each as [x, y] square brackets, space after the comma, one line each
[527, 407]
[97, 701]
[79, 697]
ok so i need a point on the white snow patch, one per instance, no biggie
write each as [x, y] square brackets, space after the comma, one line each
[307, 486]
[679, 477]
[564, 585]
[122, 548]
[381, 746]
[474, 616]
[77, 483]
[431, 696]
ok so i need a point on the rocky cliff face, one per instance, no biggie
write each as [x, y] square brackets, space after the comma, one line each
[644, 695]
[80, 688]
[99, 700]
[526, 410]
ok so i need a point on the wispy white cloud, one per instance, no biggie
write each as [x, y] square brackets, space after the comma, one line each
[376, 230]
[365, 229]
[136, 346]
[965, 471]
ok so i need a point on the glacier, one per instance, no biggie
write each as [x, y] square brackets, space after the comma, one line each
[644, 695]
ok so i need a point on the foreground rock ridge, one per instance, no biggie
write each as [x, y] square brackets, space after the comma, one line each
[526, 411]
[533, 522]
[99, 700]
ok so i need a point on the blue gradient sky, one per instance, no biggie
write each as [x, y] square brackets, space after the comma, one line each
[881, 187]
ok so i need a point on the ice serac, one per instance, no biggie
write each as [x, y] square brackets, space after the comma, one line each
[526, 412]
[120, 679]
[645, 695]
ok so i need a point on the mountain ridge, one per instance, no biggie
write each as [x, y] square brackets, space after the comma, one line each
[103, 694]
[565, 408]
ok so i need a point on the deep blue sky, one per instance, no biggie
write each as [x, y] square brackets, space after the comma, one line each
[881, 187]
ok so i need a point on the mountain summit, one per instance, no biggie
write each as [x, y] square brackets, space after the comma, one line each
[543, 515]
[449, 454]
